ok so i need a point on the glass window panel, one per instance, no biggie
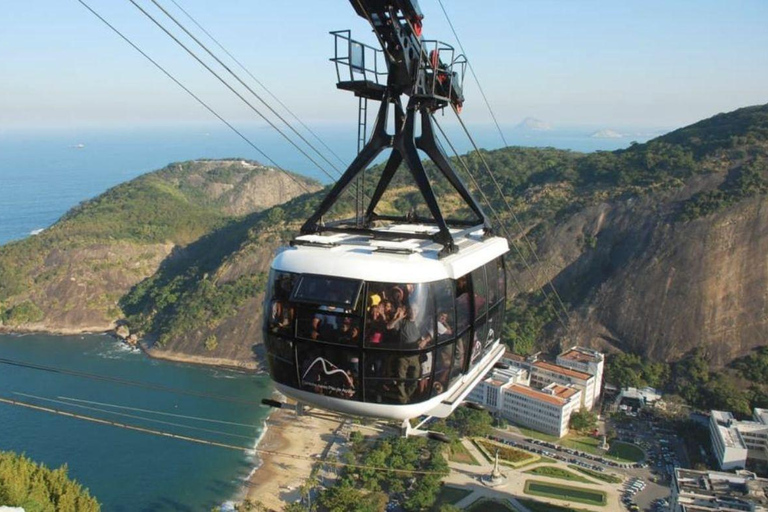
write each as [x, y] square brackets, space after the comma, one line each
[501, 281]
[329, 291]
[279, 347]
[492, 275]
[279, 314]
[443, 363]
[328, 370]
[462, 303]
[444, 304]
[324, 323]
[400, 315]
[476, 348]
[460, 356]
[480, 292]
[495, 323]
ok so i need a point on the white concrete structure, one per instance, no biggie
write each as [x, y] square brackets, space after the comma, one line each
[585, 360]
[737, 441]
[704, 491]
[544, 373]
[548, 410]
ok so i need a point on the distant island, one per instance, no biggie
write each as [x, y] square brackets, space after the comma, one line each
[535, 125]
[606, 133]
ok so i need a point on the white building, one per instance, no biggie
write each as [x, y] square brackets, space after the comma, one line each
[705, 491]
[507, 392]
[544, 373]
[585, 360]
[734, 441]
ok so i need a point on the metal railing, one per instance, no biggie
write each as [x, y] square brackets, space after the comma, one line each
[356, 61]
[443, 70]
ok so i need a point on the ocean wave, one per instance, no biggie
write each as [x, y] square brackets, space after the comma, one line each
[118, 350]
[36, 231]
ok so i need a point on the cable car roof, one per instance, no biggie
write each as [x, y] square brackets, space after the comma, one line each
[405, 260]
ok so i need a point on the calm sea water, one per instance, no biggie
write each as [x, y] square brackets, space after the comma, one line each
[126, 470]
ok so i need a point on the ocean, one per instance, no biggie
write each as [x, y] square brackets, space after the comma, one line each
[127, 470]
[45, 173]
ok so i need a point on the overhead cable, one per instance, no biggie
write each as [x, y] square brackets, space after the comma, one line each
[232, 89]
[240, 80]
[472, 70]
[262, 85]
[196, 97]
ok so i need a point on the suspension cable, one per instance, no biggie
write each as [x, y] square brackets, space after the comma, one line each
[196, 97]
[245, 449]
[124, 382]
[232, 89]
[134, 416]
[262, 85]
[472, 70]
[243, 83]
[514, 217]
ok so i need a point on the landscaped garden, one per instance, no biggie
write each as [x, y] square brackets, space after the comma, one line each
[509, 455]
[457, 452]
[565, 492]
[626, 452]
[450, 496]
[486, 505]
[605, 477]
[555, 472]
[537, 506]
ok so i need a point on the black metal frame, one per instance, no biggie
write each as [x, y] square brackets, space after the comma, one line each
[409, 72]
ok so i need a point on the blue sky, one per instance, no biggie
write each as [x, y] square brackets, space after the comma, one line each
[597, 63]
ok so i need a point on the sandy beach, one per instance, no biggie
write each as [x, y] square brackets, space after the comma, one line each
[297, 441]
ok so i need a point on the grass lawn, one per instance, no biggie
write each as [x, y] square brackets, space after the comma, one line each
[626, 451]
[563, 474]
[459, 453]
[537, 506]
[605, 477]
[450, 495]
[486, 505]
[565, 492]
[534, 434]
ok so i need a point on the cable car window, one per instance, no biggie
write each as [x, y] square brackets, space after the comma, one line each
[443, 363]
[328, 291]
[381, 364]
[279, 314]
[492, 275]
[495, 318]
[444, 305]
[400, 315]
[328, 323]
[462, 304]
[476, 350]
[480, 291]
[460, 356]
[281, 360]
[501, 281]
[328, 370]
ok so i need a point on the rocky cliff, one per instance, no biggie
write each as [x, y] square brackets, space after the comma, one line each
[71, 277]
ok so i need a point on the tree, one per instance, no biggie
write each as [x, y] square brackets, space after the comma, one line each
[583, 420]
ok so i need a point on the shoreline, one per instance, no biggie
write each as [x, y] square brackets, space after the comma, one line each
[178, 357]
[292, 445]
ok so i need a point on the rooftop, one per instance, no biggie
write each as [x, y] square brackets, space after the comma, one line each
[536, 395]
[581, 355]
[562, 370]
[761, 415]
[716, 488]
[563, 392]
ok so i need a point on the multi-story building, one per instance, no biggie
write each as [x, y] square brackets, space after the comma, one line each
[544, 373]
[585, 360]
[706, 491]
[508, 393]
[547, 410]
[734, 442]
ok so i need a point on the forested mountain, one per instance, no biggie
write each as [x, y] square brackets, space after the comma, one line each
[655, 250]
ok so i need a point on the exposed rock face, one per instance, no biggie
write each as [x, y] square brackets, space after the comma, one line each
[660, 287]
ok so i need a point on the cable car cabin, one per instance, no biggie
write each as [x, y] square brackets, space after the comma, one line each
[384, 329]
